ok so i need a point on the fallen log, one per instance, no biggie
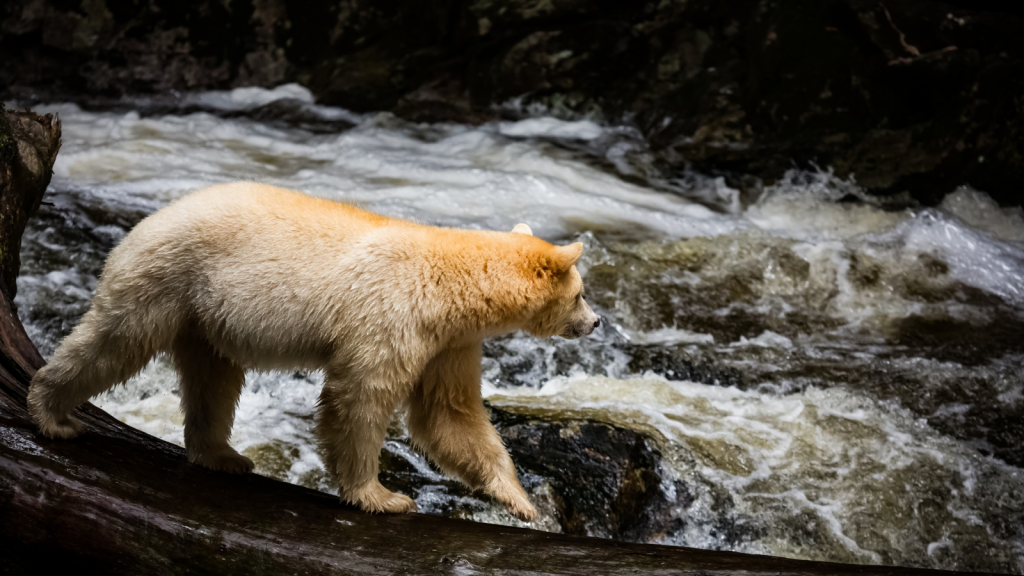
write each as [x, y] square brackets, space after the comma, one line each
[117, 501]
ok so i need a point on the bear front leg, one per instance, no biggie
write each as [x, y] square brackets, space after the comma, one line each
[352, 421]
[447, 420]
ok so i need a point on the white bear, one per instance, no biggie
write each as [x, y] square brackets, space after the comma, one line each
[250, 276]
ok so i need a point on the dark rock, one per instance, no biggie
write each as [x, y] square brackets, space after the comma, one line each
[965, 342]
[905, 95]
[597, 479]
[296, 114]
[448, 496]
[684, 363]
[606, 481]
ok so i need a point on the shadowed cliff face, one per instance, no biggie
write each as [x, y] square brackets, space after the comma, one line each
[907, 95]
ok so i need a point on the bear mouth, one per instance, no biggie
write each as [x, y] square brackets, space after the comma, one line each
[576, 331]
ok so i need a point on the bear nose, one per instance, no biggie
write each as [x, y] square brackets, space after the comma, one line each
[597, 323]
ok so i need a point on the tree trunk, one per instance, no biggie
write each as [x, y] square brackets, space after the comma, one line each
[117, 501]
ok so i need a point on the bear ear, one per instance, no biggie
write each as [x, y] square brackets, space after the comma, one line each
[522, 229]
[566, 256]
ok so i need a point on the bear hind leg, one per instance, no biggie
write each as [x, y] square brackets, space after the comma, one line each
[92, 359]
[210, 387]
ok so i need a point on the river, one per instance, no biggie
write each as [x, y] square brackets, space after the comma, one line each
[806, 371]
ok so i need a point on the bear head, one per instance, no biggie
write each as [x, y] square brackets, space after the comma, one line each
[563, 312]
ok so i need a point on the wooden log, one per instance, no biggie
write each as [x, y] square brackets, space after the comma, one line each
[117, 501]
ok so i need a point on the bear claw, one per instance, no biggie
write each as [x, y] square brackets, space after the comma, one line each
[514, 499]
[399, 504]
[376, 499]
[522, 510]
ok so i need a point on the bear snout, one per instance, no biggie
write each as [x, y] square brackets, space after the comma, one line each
[583, 328]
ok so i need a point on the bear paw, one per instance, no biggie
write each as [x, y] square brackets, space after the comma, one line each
[231, 462]
[376, 499]
[63, 429]
[514, 499]
[522, 509]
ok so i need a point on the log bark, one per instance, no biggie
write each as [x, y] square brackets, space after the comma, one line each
[117, 501]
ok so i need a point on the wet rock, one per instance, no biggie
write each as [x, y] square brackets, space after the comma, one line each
[605, 481]
[272, 459]
[727, 287]
[684, 363]
[510, 361]
[585, 477]
[297, 114]
[946, 338]
[905, 95]
[445, 496]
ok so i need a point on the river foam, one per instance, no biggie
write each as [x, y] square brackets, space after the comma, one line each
[824, 473]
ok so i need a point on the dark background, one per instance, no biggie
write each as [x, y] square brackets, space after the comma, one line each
[906, 95]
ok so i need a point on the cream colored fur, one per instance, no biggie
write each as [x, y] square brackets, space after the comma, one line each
[248, 276]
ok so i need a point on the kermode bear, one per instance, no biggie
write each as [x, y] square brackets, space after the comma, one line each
[249, 276]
